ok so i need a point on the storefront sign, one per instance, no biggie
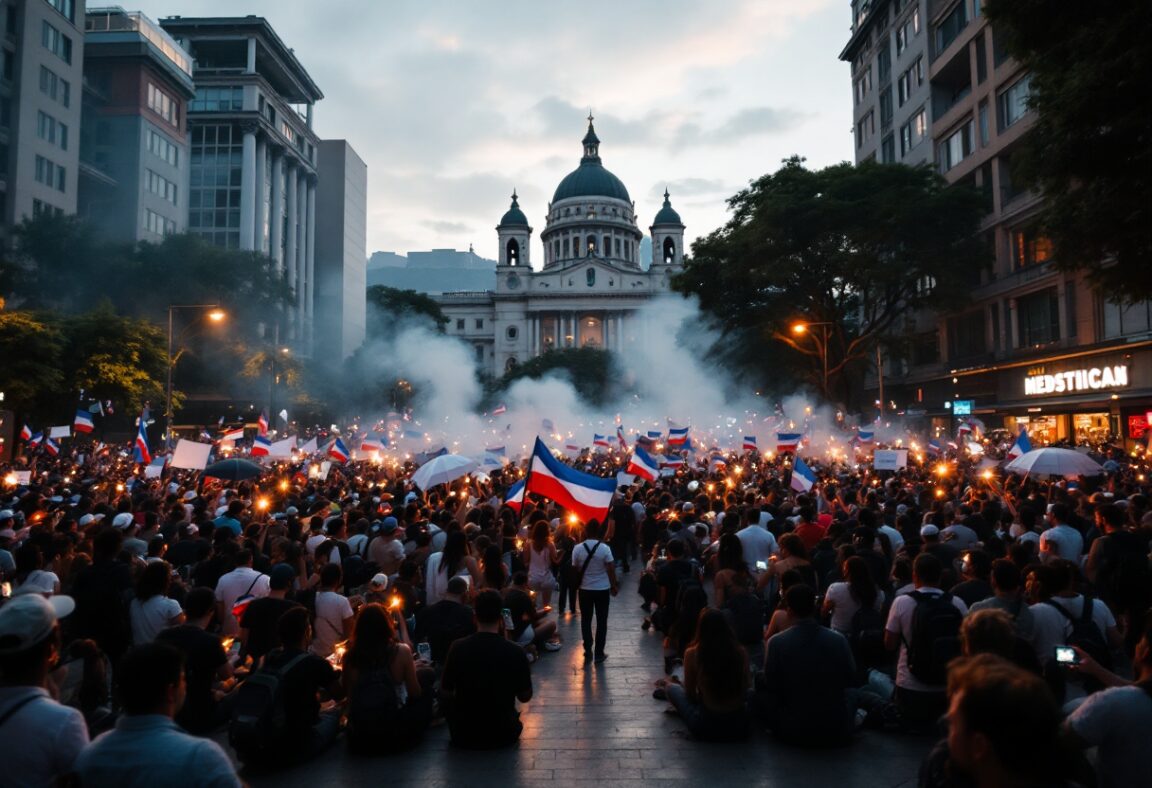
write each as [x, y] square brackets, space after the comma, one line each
[1091, 379]
[1137, 426]
[963, 407]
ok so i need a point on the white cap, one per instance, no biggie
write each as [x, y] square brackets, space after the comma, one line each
[29, 618]
[929, 530]
[123, 520]
[380, 579]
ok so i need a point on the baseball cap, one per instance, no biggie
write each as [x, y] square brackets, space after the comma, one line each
[291, 510]
[6, 514]
[389, 525]
[29, 618]
[380, 579]
[929, 530]
[122, 520]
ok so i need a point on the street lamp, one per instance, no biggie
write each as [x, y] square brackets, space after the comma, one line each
[215, 314]
[802, 328]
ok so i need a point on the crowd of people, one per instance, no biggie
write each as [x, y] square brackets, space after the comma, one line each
[144, 618]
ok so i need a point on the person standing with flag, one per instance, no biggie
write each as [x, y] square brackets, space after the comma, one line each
[595, 571]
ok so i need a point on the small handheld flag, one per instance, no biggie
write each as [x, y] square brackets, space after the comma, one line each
[83, 422]
[515, 497]
[677, 436]
[262, 423]
[140, 450]
[749, 443]
[601, 441]
[261, 446]
[51, 446]
[338, 451]
[803, 477]
[1022, 445]
[788, 442]
[643, 465]
[620, 438]
[26, 433]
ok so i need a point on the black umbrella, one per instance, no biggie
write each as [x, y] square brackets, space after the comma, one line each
[233, 470]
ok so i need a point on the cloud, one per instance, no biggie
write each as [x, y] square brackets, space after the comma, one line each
[688, 187]
[448, 228]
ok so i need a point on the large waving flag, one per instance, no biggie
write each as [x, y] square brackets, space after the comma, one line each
[749, 443]
[587, 496]
[803, 477]
[338, 451]
[233, 435]
[373, 442]
[672, 462]
[261, 446]
[601, 441]
[788, 441]
[515, 497]
[643, 465]
[83, 422]
[140, 452]
[677, 436]
[1022, 445]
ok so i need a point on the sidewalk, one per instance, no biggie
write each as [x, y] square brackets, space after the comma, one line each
[600, 725]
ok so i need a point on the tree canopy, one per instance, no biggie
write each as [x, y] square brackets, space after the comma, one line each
[389, 307]
[1090, 151]
[857, 248]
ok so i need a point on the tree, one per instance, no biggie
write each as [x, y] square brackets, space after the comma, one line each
[112, 357]
[858, 248]
[31, 349]
[592, 372]
[388, 307]
[1090, 150]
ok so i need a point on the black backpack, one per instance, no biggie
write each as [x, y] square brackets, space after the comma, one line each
[935, 636]
[1085, 633]
[373, 707]
[866, 635]
[746, 613]
[259, 719]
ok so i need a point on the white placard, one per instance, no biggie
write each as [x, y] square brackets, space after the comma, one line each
[624, 480]
[63, 431]
[310, 447]
[23, 477]
[154, 469]
[282, 450]
[889, 459]
[192, 455]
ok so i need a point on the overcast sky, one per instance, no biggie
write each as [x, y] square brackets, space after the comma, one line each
[453, 103]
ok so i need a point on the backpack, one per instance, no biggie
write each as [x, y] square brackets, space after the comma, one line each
[866, 635]
[373, 706]
[1085, 633]
[935, 636]
[259, 719]
[746, 614]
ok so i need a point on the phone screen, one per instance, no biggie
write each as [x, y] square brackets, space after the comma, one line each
[507, 618]
[761, 565]
[1066, 655]
[424, 650]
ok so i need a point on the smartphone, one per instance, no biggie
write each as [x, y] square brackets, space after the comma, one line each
[1066, 655]
[424, 651]
[507, 618]
[762, 565]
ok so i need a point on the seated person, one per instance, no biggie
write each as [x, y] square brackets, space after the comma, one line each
[712, 699]
[532, 629]
[205, 664]
[484, 676]
[446, 621]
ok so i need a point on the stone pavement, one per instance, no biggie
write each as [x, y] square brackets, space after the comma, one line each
[600, 725]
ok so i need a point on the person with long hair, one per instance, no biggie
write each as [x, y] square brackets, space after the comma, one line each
[712, 699]
[540, 556]
[389, 697]
[152, 611]
[453, 561]
[857, 590]
[494, 574]
[732, 576]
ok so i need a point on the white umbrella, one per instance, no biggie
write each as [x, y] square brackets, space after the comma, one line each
[1055, 462]
[441, 470]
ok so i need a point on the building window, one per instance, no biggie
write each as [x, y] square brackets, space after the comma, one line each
[51, 130]
[56, 42]
[67, 8]
[54, 87]
[907, 30]
[590, 275]
[215, 180]
[479, 323]
[479, 354]
[1029, 248]
[163, 104]
[966, 337]
[565, 249]
[50, 174]
[161, 147]
[7, 65]
[459, 324]
[218, 99]
[884, 63]
[512, 332]
[155, 223]
[982, 116]
[5, 112]
[950, 27]
[160, 186]
[1123, 321]
[863, 84]
[41, 208]
[1038, 315]
[865, 129]
[886, 107]
[888, 149]
[1014, 101]
[955, 148]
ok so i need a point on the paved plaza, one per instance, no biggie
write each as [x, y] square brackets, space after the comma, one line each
[600, 725]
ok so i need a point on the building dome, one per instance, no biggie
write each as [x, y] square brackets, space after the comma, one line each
[514, 216]
[667, 214]
[591, 179]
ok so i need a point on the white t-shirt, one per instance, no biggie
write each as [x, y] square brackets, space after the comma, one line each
[331, 610]
[151, 616]
[1062, 541]
[358, 545]
[900, 622]
[436, 582]
[1117, 721]
[42, 739]
[314, 541]
[758, 543]
[599, 557]
[234, 585]
[844, 606]
[1053, 629]
[895, 538]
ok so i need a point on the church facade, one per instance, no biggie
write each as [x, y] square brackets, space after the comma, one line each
[591, 285]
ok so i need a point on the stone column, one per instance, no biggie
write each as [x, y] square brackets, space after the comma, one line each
[258, 237]
[276, 219]
[248, 188]
[290, 239]
[251, 61]
[310, 249]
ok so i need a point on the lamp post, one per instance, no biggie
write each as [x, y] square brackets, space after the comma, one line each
[215, 314]
[802, 328]
[276, 352]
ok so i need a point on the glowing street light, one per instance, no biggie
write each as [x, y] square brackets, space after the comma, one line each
[799, 329]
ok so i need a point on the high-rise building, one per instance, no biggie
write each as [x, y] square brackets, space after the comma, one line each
[341, 250]
[134, 159]
[41, 74]
[888, 51]
[254, 153]
[1035, 346]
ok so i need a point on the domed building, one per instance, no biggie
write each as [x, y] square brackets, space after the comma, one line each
[591, 284]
